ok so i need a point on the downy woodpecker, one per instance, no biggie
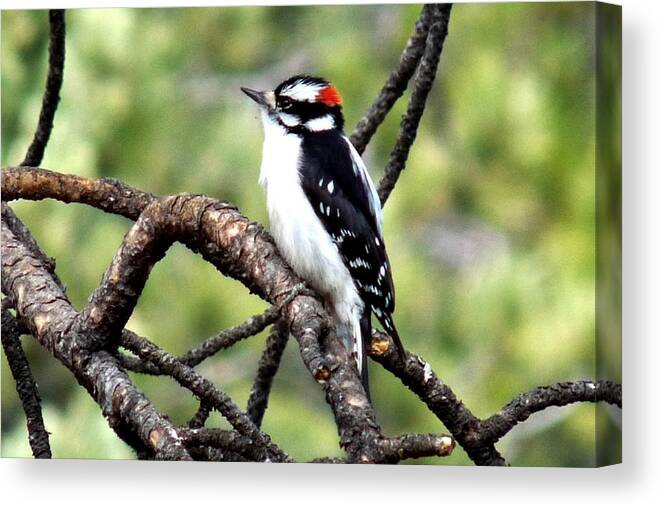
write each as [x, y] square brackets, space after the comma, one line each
[324, 211]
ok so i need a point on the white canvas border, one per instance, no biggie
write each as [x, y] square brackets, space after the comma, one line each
[78, 482]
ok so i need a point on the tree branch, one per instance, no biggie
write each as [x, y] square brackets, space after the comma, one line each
[212, 345]
[26, 387]
[418, 376]
[234, 250]
[396, 83]
[556, 395]
[239, 249]
[221, 341]
[418, 445]
[474, 435]
[47, 314]
[266, 370]
[105, 194]
[200, 418]
[225, 440]
[250, 327]
[204, 390]
[51, 97]
[421, 87]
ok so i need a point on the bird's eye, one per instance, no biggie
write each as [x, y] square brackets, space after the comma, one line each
[285, 103]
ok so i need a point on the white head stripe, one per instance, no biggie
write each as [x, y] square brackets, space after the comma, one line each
[325, 122]
[289, 119]
[303, 92]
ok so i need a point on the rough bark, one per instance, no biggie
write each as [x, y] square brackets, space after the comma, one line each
[26, 387]
[47, 314]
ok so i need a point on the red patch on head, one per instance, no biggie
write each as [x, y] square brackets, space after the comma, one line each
[329, 96]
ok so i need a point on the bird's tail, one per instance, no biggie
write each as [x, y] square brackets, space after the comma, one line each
[365, 338]
[389, 325]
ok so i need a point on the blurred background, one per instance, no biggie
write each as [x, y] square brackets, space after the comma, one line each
[490, 230]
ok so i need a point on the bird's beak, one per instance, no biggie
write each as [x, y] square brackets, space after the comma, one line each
[264, 99]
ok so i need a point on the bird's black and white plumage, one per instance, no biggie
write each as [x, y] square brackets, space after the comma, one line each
[324, 211]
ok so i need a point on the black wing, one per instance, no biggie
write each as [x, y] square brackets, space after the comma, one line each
[336, 187]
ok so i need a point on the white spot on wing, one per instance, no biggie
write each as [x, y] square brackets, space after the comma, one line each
[331, 187]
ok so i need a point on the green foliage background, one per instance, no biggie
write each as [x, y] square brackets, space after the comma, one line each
[490, 229]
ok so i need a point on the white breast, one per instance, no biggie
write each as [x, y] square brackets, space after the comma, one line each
[299, 234]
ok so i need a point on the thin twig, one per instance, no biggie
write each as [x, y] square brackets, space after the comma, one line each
[204, 390]
[26, 387]
[51, 97]
[200, 417]
[541, 398]
[266, 370]
[250, 327]
[223, 340]
[396, 83]
[416, 107]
